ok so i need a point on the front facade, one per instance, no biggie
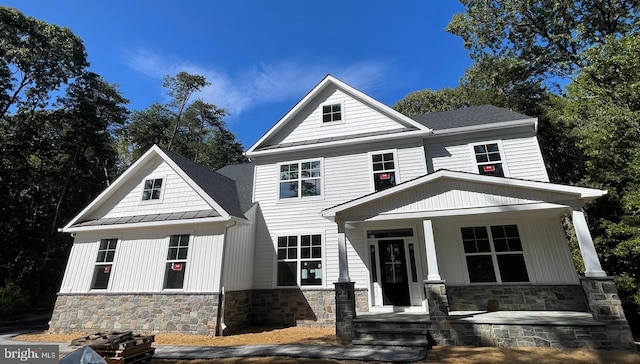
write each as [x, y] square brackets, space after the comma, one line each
[346, 193]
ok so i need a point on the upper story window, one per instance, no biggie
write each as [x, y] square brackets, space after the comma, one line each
[176, 261]
[384, 170]
[300, 179]
[331, 112]
[494, 254]
[152, 189]
[104, 263]
[299, 260]
[488, 159]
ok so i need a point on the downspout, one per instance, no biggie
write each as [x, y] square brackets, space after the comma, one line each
[220, 326]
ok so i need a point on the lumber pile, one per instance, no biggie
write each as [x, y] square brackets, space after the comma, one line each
[119, 347]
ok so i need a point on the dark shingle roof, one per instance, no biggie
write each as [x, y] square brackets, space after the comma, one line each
[243, 175]
[467, 116]
[221, 189]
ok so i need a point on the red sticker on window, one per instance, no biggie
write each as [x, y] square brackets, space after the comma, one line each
[107, 269]
[489, 168]
[176, 266]
[385, 176]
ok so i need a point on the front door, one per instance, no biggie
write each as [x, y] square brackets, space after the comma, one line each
[393, 273]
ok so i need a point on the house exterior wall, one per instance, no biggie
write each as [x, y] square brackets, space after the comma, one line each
[523, 158]
[239, 254]
[177, 194]
[140, 259]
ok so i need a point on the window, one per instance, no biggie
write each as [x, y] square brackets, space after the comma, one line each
[300, 179]
[494, 252]
[384, 173]
[332, 112]
[176, 261]
[152, 189]
[488, 159]
[299, 260]
[102, 271]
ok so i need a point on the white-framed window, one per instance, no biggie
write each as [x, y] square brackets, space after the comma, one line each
[152, 190]
[104, 263]
[332, 112]
[489, 159]
[300, 179]
[384, 167]
[494, 254]
[176, 261]
[299, 260]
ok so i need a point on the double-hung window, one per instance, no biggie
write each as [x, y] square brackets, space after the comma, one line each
[152, 189]
[488, 159]
[301, 179]
[331, 112]
[299, 260]
[384, 170]
[104, 263]
[494, 254]
[176, 261]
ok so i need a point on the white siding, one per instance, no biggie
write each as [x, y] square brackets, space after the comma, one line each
[239, 254]
[357, 118]
[141, 256]
[521, 151]
[177, 194]
[347, 175]
[546, 251]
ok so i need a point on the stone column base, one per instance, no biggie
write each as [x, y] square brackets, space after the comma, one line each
[437, 301]
[345, 310]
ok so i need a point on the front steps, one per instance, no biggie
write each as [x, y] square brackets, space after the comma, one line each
[392, 330]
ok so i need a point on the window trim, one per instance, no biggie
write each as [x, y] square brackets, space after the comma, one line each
[162, 189]
[166, 259]
[299, 260]
[372, 182]
[300, 197]
[487, 225]
[111, 263]
[333, 122]
[503, 159]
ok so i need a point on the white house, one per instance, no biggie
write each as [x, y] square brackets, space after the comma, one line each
[347, 203]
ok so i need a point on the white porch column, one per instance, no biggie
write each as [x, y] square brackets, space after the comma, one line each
[433, 274]
[343, 264]
[587, 249]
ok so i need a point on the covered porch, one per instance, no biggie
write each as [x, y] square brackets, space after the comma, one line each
[463, 249]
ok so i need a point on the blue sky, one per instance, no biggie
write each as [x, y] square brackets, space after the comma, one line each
[263, 56]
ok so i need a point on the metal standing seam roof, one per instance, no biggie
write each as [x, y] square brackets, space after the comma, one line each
[149, 218]
[467, 116]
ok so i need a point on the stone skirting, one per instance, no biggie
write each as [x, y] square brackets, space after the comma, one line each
[295, 307]
[145, 313]
[236, 311]
[517, 298]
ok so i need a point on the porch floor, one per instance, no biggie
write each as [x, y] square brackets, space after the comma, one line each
[554, 318]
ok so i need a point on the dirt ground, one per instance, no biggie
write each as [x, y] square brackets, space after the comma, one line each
[326, 336]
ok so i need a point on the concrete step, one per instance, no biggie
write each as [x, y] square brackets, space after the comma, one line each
[396, 342]
[392, 330]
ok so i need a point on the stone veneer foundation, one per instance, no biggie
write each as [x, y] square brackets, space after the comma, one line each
[146, 313]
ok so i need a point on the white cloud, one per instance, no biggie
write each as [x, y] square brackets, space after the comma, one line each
[262, 83]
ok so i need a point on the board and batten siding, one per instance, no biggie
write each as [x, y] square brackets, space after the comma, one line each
[546, 250]
[239, 254]
[347, 174]
[141, 256]
[357, 118]
[522, 155]
[177, 194]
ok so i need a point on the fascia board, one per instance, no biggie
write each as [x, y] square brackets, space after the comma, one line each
[403, 135]
[120, 180]
[475, 128]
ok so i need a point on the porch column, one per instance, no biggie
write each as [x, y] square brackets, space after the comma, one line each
[433, 274]
[343, 264]
[587, 249]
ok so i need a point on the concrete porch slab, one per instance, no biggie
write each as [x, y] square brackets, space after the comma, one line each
[554, 318]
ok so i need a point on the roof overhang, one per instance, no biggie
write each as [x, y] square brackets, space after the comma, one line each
[486, 127]
[137, 225]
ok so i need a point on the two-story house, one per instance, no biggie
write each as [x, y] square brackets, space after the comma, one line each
[347, 208]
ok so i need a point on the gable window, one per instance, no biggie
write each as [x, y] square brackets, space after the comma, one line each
[299, 260]
[488, 159]
[494, 254]
[152, 189]
[300, 179]
[176, 261]
[104, 263]
[384, 170]
[331, 112]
